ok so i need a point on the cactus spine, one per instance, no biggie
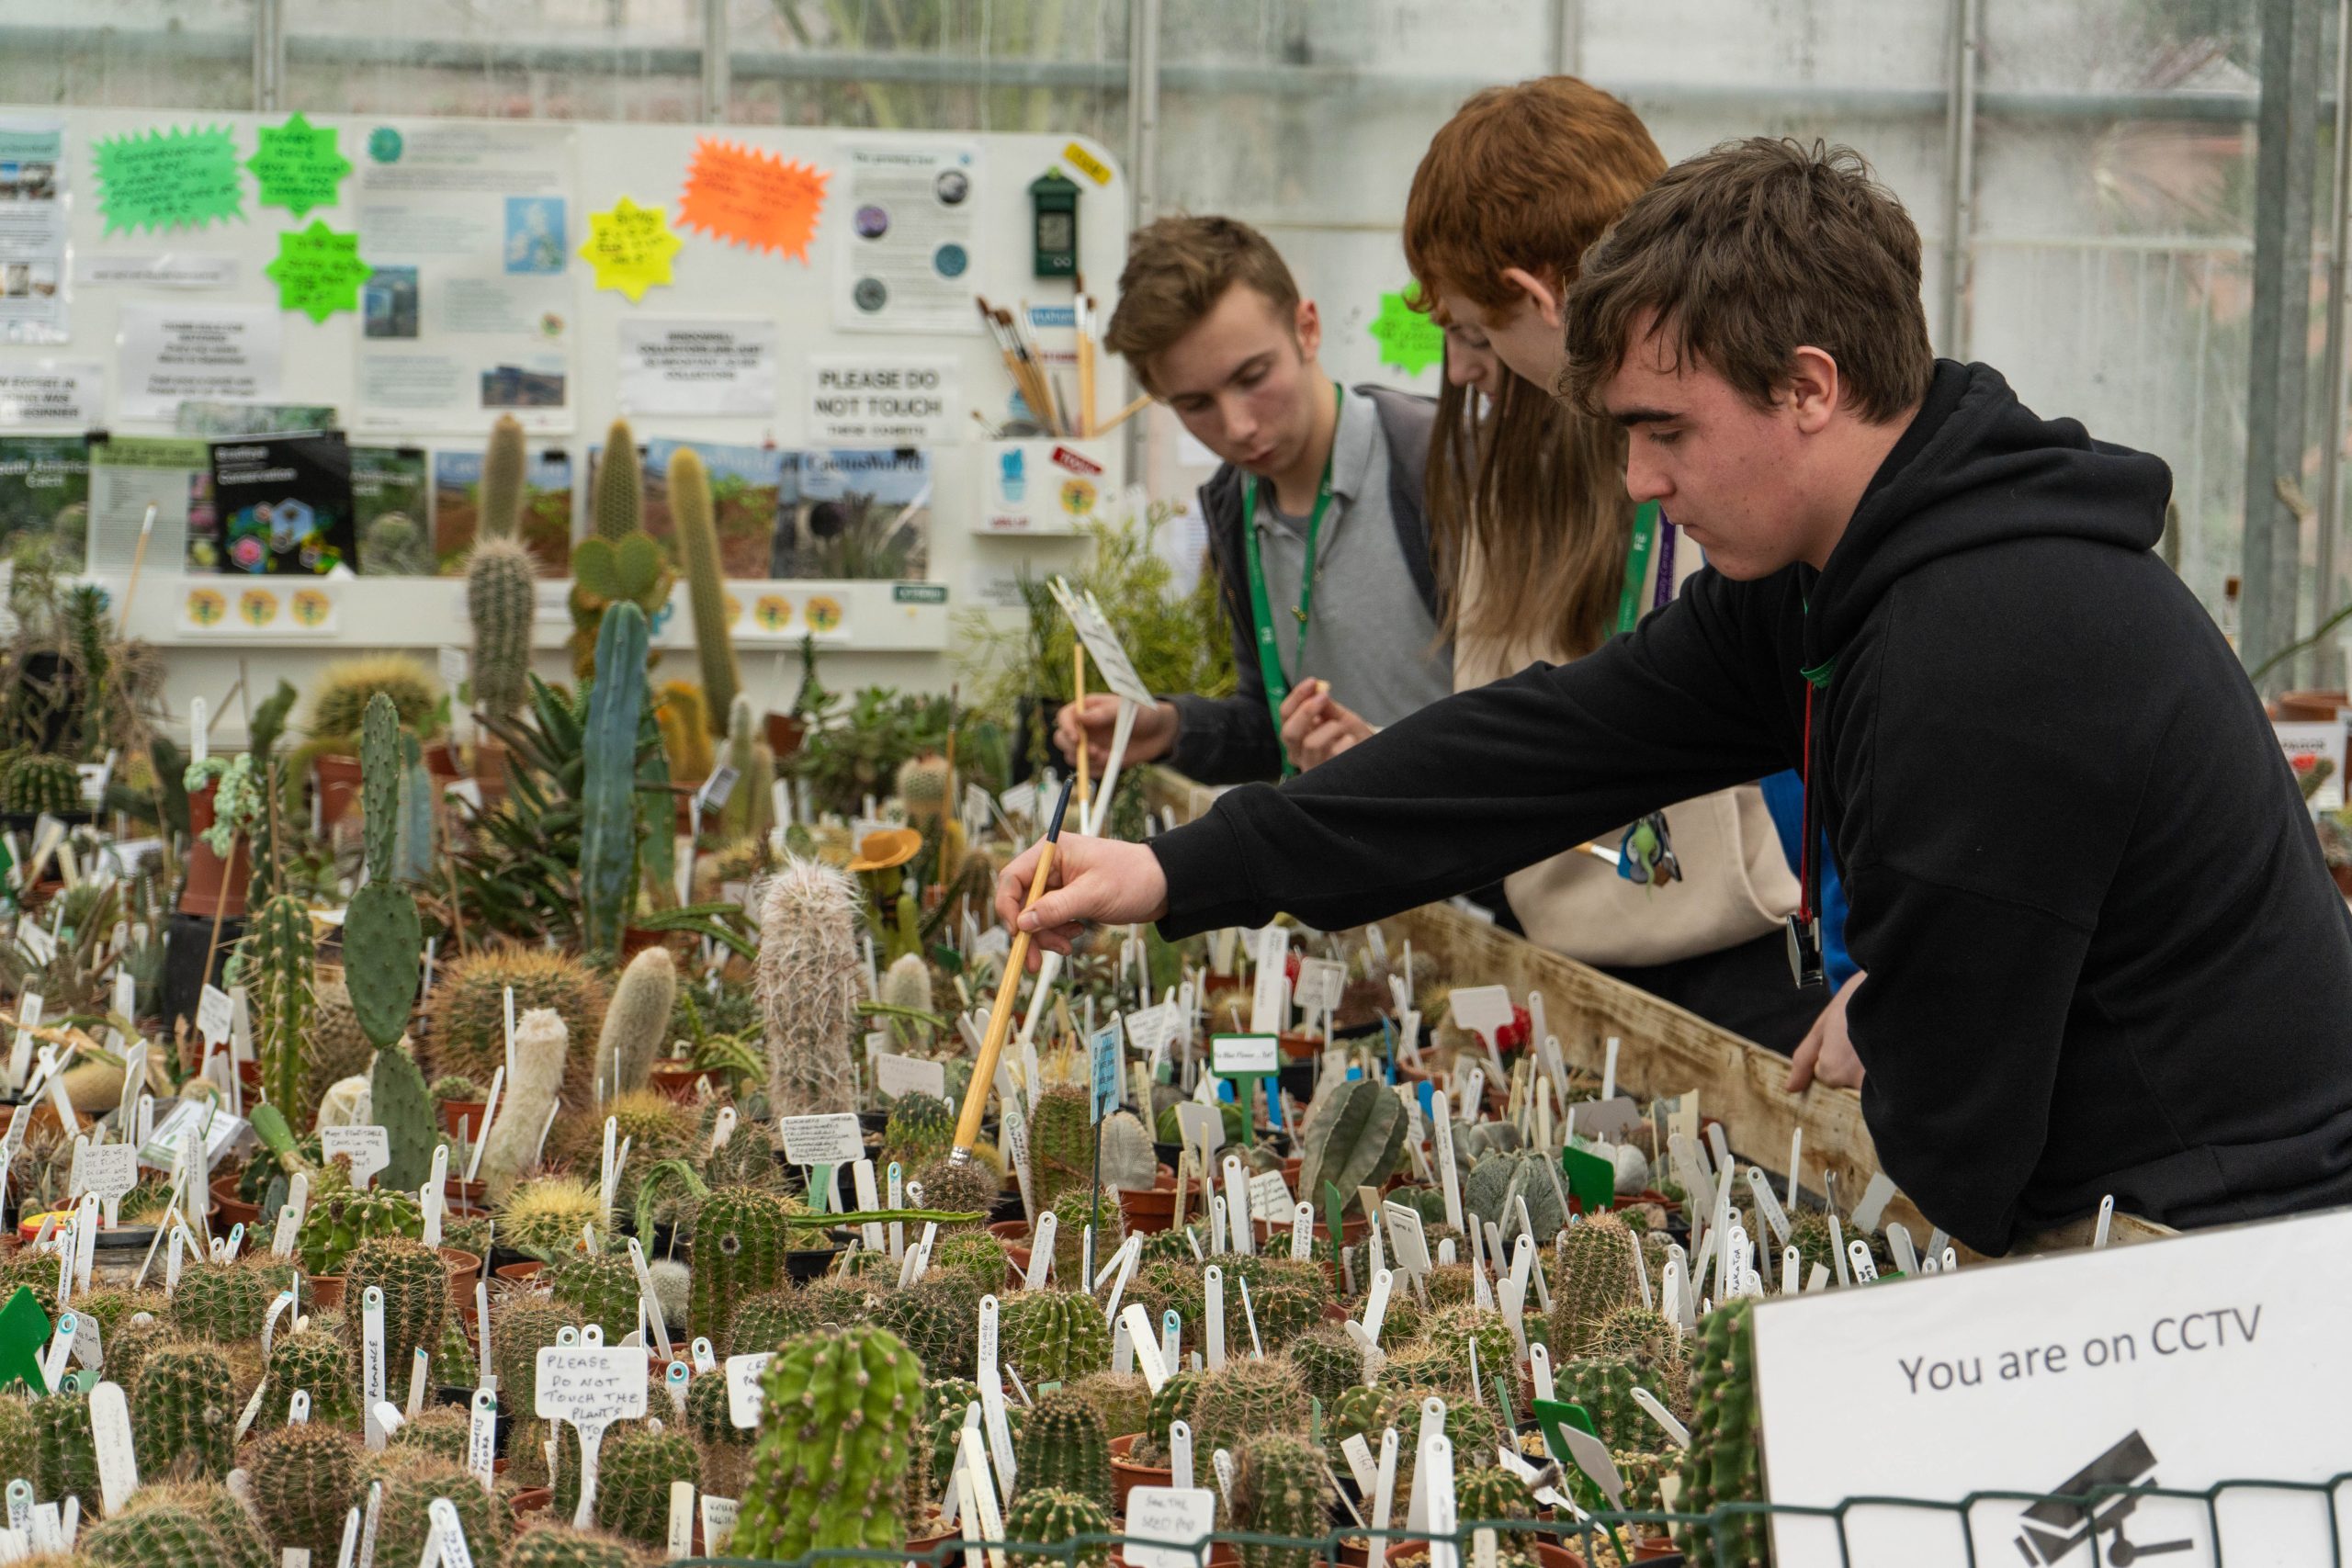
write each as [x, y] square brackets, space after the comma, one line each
[807, 988]
[1061, 1144]
[635, 1023]
[1063, 1446]
[318, 1363]
[599, 1287]
[1279, 1490]
[740, 1234]
[560, 1546]
[1043, 1516]
[608, 795]
[304, 1478]
[501, 603]
[697, 527]
[184, 1414]
[382, 938]
[281, 955]
[934, 1316]
[65, 1455]
[750, 812]
[1605, 1389]
[1598, 1259]
[502, 467]
[1056, 1335]
[178, 1536]
[1723, 1462]
[843, 1412]
[633, 1477]
[920, 1127]
[416, 1283]
[1244, 1398]
[512, 1140]
[400, 1103]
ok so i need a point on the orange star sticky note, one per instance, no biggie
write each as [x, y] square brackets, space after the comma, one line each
[630, 248]
[746, 197]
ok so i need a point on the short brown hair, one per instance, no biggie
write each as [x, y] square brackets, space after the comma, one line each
[1748, 254]
[1527, 175]
[1178, 268]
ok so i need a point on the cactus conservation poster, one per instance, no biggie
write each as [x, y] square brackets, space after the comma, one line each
[469, 228]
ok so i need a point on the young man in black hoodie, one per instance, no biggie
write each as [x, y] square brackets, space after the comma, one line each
[2104, 954]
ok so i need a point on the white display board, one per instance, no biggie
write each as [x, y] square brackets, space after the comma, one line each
[751, 343]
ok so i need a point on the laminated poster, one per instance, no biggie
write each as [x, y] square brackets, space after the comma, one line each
[746, 490]
[131, 473]
[285, 504]
[546, 527]
[45, 495]
[392, 510]
[172, 354]
[32, 230]
[912, 250]
[833, 514]
[468, 229]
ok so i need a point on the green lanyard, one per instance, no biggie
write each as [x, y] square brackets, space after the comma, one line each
[1637, 566]
[1270, 658]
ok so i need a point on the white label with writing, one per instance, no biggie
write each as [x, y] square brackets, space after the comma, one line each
[1167, 1525]
[1406, 1239]
[1270, 1195]
[1321, 982]
[214, 1014]
[481, 1437]
[745, 1395]
[1202, 1126]
[111, 1434]
[718, 1522]
[370, 1148]
[895, 1075]
[1231, 1056]
[822, 1140]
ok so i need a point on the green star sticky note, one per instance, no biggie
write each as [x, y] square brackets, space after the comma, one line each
[318, 271]
[1409, 339]
[24, 1333]
[175, 179]
[300, 166]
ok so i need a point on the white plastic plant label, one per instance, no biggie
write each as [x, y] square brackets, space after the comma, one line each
[745, 1394]
[372, 1369]
[822, 1140]
[1269, 986]
[111, 1436]
[1235, 1056]
[481, 1437]
[215, 1012]
[718, 1522]
[1405, 1238]
[1167, 1525]
[1321, 981]
[895, 1075]
[369, 1148]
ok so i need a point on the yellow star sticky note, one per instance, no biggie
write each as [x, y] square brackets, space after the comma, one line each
[630, 248]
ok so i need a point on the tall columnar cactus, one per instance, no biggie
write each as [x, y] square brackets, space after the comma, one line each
[504, 465]
[519, 1330]
[750, 811]
[608, 793]
[635, 1022]
[842, 1419]
[415, 1282]
[1245, 1397]
[726, 1448]
[1724, 1462]
[599, 1287]
[697, 527]
[398, 1101]
[926, 788]
[304, 1479]
[1061, 1144]
[281, 958]
[620, 563]
[633, 1477]
[620, 501]
[383, 941]
[513, 1141]
[807, 988]
[1649, 1343]
[500, 601]
[687, 724]
[1043, 1516]
[1055, 1335]
[1063, 1445]
[740, 1234]
[183, 1413]
[1279, 1489]
[1599, 1258]
[413, 843]
[1354, 1139]
[316, 1362]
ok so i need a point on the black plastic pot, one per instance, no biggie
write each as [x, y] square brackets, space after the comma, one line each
[810, 1263]
[186, 939]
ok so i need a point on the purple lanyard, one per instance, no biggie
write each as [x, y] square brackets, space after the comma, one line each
[1665, 563]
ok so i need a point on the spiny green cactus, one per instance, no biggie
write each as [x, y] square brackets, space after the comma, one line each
[1493, 1494]
[619, 500]
[975, 1254]
[1649, 1343]
[608, 793]
[842, 1424]
[1496, 1184]
[1121, 1399]
[183, 1413]
[1364, 1412]
[1598, 1259]
[957, 1186]
[340, 695]
[341, 1216]
[39, 782]
[1605, 1389]
[465, 1014]
[1246, 1396]
[281, 959]
[637, 1021]
[551, 1545]
[520, 1327]
[808, 975]
[697, 528]
[765, 1320]
[1724, 1461]
[66, 1456]
[315, 1362]
[726, 1448]
[1451, 1331]
[501, 603]
[398, 1102]
[179, 1537]
[1354, 1138]
[1279, 1489]
[1329, 1362]
[225, 1301]
[750, 812]
[1173, 1402]
[633, 1477]
[1055, 1335]
[934, 1316]
[391, 547]
[383, 943]
[1043, 1516]
[415, 1282]
[411, 1480]
[740, 1235]
[1074, 1210]
[1063, 1445]
[304, 1478]
[443, 1431]
[503, 464]
[128, 1347]
[920, 1127]
[600, 1289]
[455, 1363]
[1061, 1144]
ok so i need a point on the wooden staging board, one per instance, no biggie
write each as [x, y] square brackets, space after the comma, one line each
[1664, 1050]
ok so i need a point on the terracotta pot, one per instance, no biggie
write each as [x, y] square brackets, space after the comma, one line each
[2342, 874]
[1010, 1231]
[463, 1266]
[1126, 1477]
[1301, 1047]
[441, 761]
[215, 886]
[1351, 1230]
[1651, 1548]
[338, 782]
[679, 1083]
[1019, 1257]
[490, 770]
[518, 1271]
[1150, 1211]
[326, 1290]
[2307, 707]
[786, 731]
[467, 1197]
[534, 1500]
[1552, 1554]
[467, 1110]
[637, 939]
[232, 1209]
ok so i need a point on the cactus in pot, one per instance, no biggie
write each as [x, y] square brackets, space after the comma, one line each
[635, 1022]
[1279, 1489]
[750, 811]
[512, 1142]
[608, 830]
[1063, 1445]
[809, 974]
[842, 1428]
[501, 603]
[697, 527]
[1354, 1139]
[281, 963]
[400, 1103]
[383, 943]
[740, 1235]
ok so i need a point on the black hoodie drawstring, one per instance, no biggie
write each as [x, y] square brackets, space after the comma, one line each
[1804, 926]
